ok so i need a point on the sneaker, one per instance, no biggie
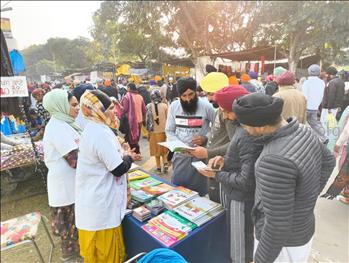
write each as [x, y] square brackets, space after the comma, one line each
[165, 168]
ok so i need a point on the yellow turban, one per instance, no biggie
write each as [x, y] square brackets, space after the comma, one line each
[214, 81]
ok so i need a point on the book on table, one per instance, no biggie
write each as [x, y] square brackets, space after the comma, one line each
[159, 235]
[157, 189]
[177, 196]
[176, 146]
[134, 167]
[137, 174]
[199, 210]
[141, 196]
[138, 184]
[141, 213]
[155, 206]
[169, 227]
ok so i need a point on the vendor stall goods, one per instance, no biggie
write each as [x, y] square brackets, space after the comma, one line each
[177, 197]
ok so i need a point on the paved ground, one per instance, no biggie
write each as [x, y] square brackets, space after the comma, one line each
[330, 240]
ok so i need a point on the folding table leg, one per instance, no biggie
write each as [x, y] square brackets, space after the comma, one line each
[48, 233]
[37, 250]
[49, 236]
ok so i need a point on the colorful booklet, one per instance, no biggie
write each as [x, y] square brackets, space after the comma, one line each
[141, 196]
[157, 189]
[173, 224]
[176, 146]
[138, 184]
[177, 196]
[137, 174]
[159, 235]
[196, 208]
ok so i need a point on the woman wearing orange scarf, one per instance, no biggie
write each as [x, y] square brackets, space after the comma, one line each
[101, 182]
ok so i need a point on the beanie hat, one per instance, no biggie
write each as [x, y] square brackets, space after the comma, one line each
[278, 71]
[314, 70]
[226, 96]
[233, 80]
[214, 81]
[245, 78]
[185, 83]
[286, 78]
[331, 71]
[210, 68]
[253, 75]
[79, 90]
[103, 98]
[258, 109]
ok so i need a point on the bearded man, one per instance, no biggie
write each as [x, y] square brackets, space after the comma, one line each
[188, 120]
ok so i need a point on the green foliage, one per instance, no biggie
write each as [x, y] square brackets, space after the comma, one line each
[56, 55]
[304, 27]
[130, 31]
[212, 26]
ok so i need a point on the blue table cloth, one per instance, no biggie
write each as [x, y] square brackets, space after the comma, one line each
[208, 243]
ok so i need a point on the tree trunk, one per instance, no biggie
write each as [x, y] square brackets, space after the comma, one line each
[293, 57]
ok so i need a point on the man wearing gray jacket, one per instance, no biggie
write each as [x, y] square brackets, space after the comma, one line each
[222, 130]
[291, 172]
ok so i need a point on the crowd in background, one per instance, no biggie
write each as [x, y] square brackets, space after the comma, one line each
[268, 137]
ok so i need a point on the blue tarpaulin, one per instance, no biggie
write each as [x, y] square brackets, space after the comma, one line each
[17, 62]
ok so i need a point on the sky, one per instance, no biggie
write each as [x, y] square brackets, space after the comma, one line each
[33, 22]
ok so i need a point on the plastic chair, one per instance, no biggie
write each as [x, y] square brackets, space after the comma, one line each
[22, 230]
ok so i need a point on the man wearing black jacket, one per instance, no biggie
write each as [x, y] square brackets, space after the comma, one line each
[236, 178]
[291, 172]
[333, 99]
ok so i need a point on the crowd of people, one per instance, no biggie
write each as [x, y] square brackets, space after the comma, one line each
[266, 145]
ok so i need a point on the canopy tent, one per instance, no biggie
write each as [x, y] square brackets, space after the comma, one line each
[253, 54]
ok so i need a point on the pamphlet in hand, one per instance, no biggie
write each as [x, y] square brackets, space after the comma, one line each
[176, 146]
[202, 165]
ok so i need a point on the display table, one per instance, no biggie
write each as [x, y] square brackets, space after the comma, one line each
[21, 155]
[208, 243]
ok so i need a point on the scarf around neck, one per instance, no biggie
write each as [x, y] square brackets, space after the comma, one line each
[57, 104]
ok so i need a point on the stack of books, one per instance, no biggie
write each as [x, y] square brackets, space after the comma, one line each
[137, 174]
[157, 189]
[138, 184]
[169, 228]
[133, 204]
[141, 213]
[155, 206]
[199, 210]
[141, 196]
[177, 196]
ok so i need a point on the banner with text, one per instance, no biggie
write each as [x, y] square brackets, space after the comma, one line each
[14, 87]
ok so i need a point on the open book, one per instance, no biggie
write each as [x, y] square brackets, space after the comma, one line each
[176, 146]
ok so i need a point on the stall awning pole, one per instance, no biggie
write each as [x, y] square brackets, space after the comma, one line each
[274, 56]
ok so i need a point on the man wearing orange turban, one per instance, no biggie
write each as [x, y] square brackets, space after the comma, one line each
[233, 80]
[245, 82]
